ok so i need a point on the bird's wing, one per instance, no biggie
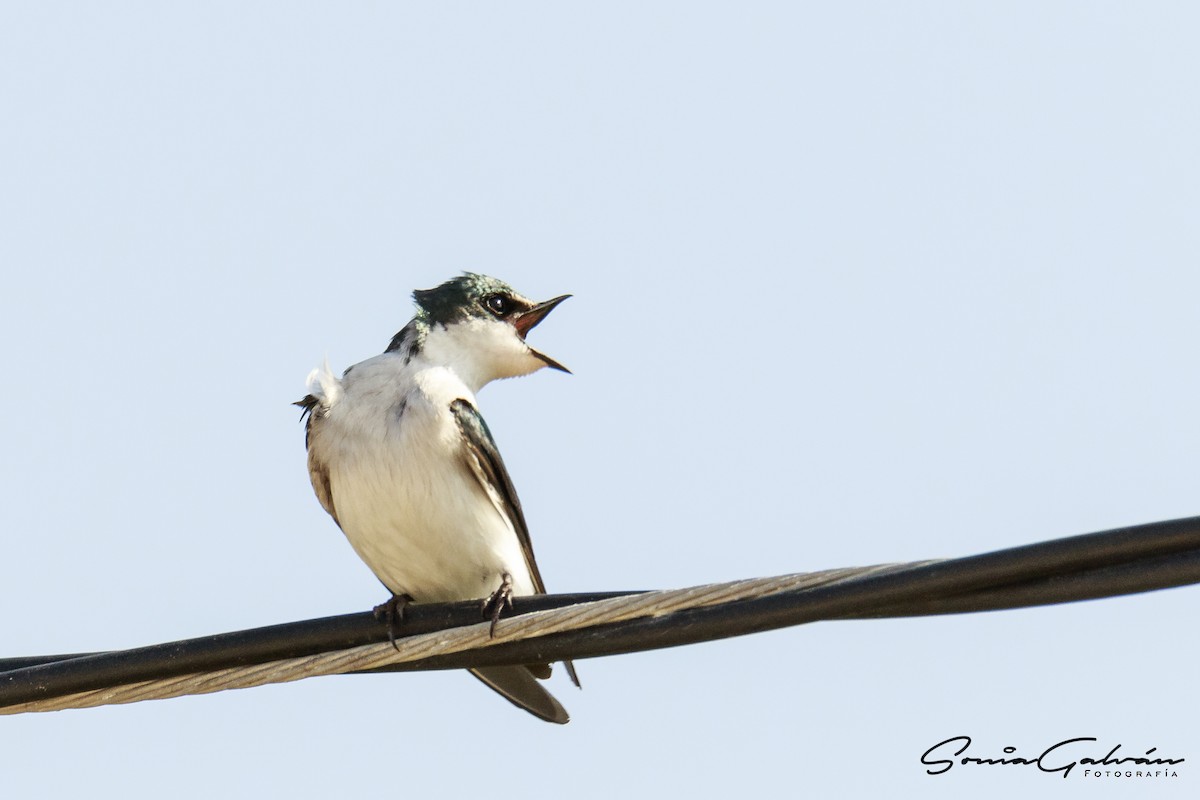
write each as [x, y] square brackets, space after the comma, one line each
[318, 472]
[485, 463]
[488, 467]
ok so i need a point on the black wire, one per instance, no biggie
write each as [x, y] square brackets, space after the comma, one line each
[1122, 561]
[35, 677]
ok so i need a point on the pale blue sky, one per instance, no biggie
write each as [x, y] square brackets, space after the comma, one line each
[853, 283]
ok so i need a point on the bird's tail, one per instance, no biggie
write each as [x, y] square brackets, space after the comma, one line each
[519, 686]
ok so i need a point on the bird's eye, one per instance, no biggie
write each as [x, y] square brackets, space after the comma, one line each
[499, 305]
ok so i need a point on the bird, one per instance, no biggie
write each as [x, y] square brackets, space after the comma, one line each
[401, 458]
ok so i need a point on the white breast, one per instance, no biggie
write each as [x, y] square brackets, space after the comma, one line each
[403, 492]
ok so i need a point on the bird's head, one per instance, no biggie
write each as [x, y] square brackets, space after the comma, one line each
[477, 325]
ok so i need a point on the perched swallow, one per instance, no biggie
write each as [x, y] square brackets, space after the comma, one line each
[404, 463]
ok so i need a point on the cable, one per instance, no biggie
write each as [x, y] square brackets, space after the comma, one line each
[554, 627]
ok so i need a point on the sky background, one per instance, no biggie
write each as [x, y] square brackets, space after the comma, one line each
[853, 283]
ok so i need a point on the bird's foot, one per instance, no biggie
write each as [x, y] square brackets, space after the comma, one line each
[498, 599]
[392, 612]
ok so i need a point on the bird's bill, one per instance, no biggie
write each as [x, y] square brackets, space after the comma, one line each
[526, 321]
[550, 362]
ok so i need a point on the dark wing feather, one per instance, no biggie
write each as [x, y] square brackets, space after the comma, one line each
[317, 471]
[307, 404]
[488, 467]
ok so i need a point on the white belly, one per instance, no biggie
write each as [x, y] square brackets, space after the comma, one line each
[429, 531]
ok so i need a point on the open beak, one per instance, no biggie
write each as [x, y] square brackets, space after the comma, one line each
[526, 321]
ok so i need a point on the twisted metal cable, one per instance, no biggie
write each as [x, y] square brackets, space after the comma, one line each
[547, 628]
[428, 645]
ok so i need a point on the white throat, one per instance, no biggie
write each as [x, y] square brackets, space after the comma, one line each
[479, 351]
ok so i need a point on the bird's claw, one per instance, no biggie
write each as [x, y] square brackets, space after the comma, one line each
[497, 601]
[392, 612]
